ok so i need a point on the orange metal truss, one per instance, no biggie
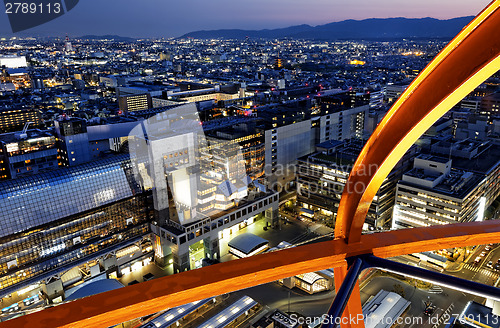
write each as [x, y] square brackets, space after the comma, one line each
[114, 307]
[470, 58]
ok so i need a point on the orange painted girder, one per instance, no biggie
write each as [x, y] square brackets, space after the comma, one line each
[138, 300]
[350, 316]
[469, 59]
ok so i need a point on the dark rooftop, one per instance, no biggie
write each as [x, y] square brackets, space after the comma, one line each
[31, 134]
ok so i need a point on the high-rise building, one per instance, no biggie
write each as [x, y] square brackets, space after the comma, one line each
[321, 179]
[251, 142]
[490, 105]
[393, 91]
[200, 185]
[135, 102]
[15, 119]
[342, 124]
[67, 45]
[441, 190]
[73, 141]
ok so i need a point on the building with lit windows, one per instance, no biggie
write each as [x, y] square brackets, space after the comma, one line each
[490, 105]
[393, 91]
[291, 131]
[73, 141]
[200, 186]
[91, 217]
[27, 153]
[311, 282]
[131, 103]
[251, 142]
[14, 119]
[440, 190]
[332, 101]
[341, 124]
[321, 178]
[79, 142]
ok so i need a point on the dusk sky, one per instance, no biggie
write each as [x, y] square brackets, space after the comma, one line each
[171, 18]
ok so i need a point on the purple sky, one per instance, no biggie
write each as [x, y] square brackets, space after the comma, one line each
[169, 18]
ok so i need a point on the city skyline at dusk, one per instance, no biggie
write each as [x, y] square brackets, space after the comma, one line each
[237, 164]
[160, 19]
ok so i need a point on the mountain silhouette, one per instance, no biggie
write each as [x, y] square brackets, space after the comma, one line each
[372, 28]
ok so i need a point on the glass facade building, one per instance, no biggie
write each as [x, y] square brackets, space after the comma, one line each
[57, 218]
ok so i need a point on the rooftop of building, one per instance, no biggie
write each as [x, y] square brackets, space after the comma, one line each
[387, 305]
[95, 287]
[247, 242]
[229, 314]
[329, 159]
[101, 182]
[329, 144]
[172, 315]
[30, 134]
[486, 158]
[457, 184]
[420, 174]
[433, 158]
[344, 153]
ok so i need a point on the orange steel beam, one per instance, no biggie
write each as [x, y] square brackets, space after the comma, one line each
[353, 308]
[466, 61]
[469, 59]
[113, 307]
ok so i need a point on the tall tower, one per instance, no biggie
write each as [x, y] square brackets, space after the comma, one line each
[67, 45]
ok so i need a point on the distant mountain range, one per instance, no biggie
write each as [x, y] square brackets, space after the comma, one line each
[367, 29]
[106, 37]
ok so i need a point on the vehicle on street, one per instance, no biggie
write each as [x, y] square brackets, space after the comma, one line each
[429, 310]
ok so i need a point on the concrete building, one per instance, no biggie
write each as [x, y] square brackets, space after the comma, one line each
[14, 119]
[393, 91]
[251, 142]
[13, 61]
[135, 102]
[200, 187]
[80, 143]
[475, 127]
[490, 105]
[342, 124]
[73, 141]
[27, 153]
[440, 190]
[321, 179]
[282, 146]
